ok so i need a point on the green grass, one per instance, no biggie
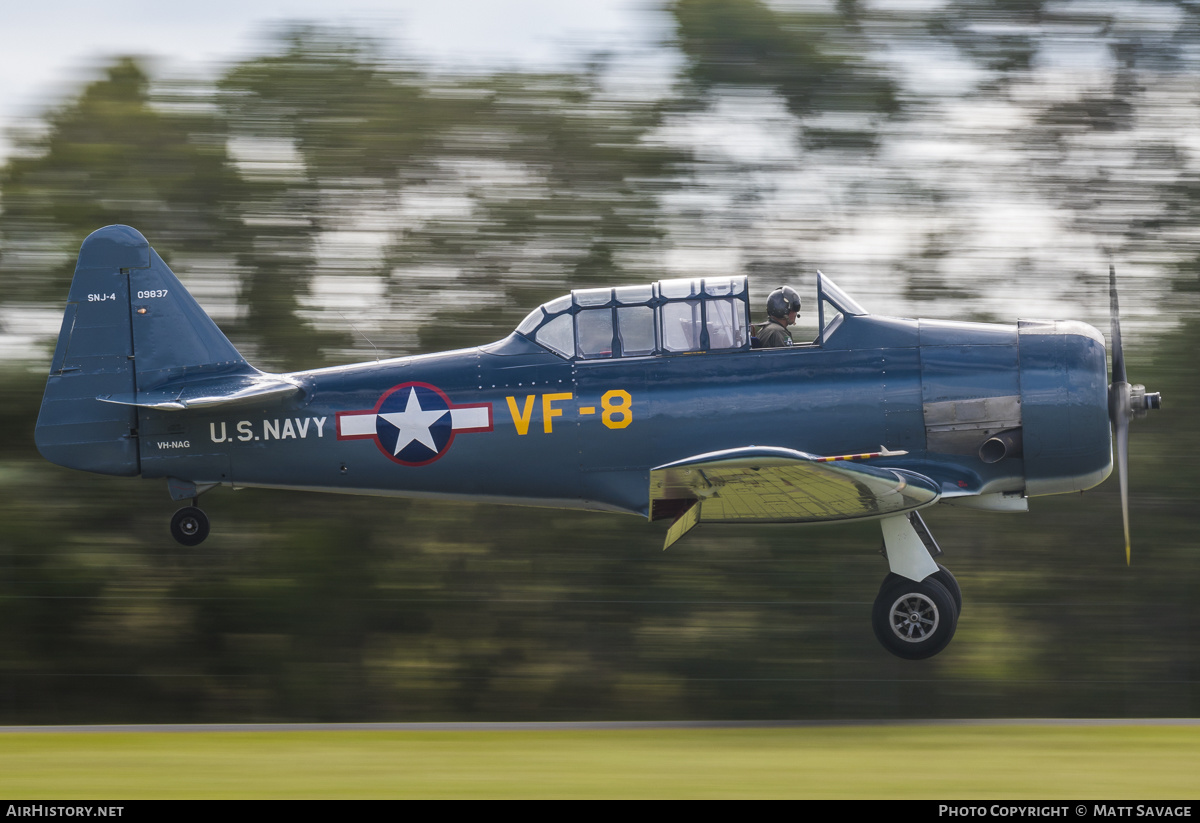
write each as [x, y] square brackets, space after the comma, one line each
[940, 762]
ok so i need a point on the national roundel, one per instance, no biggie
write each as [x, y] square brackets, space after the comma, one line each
[414, 424]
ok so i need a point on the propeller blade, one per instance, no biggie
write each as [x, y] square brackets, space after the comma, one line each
[1122, 433]
[1118, 404]
[1118, 354]
[1125, 402]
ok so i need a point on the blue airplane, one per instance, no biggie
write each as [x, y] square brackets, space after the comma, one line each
[649, 399]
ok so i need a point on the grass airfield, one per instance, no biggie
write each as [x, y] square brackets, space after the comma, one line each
[1021, 762]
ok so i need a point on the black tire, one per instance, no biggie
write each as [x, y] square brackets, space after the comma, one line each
[943, 576]
[189, 526]
[914, 620]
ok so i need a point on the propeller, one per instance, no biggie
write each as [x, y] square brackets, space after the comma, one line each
[1125, 402]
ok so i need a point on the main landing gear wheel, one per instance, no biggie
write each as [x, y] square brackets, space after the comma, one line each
[943, 576]
[914, 620]
[189, 526]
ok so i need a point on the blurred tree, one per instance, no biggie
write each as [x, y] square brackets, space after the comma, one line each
[819, 63]
[518, 186]
[572, 204]
[357, 118]
[158, 162]
[1003, 35]
[112, 156]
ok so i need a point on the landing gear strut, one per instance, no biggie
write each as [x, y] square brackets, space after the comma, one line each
[189, 526]
[916, 611]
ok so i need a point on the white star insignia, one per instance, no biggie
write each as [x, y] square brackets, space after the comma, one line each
[414, 423]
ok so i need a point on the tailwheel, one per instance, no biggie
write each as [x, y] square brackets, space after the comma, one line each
[189, 526]
[914, 620]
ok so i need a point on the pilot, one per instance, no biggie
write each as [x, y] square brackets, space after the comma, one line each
[782, 307]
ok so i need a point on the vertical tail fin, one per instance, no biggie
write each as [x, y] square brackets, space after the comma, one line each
[173, 338]
[129, 327]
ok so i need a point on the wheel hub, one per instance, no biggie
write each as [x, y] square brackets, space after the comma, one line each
[914, 618]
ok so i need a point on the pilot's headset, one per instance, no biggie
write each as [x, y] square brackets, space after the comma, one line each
[783, 300]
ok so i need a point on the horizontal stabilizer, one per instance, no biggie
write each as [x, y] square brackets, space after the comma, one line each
[209, 392]
[766, 484]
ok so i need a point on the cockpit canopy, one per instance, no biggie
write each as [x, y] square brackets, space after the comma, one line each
[710, 314]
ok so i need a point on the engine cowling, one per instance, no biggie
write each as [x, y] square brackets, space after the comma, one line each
[1067, 442]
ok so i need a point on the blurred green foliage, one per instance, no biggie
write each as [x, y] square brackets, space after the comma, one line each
[814, 60]
[111, 156]
[468, 200]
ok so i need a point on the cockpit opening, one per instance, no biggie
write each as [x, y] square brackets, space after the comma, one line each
[670, 317]
[689, 315]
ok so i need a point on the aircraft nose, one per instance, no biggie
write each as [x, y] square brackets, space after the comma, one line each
[1064, 406]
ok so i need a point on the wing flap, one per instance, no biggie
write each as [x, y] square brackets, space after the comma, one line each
[773, 485]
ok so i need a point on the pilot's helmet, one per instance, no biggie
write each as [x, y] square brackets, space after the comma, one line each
[782, 301]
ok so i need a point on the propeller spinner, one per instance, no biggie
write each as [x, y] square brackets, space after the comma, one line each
[1125, 402]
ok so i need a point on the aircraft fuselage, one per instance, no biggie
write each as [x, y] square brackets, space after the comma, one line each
[514, 423]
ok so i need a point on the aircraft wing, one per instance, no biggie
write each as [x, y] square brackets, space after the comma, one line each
[766, 484]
